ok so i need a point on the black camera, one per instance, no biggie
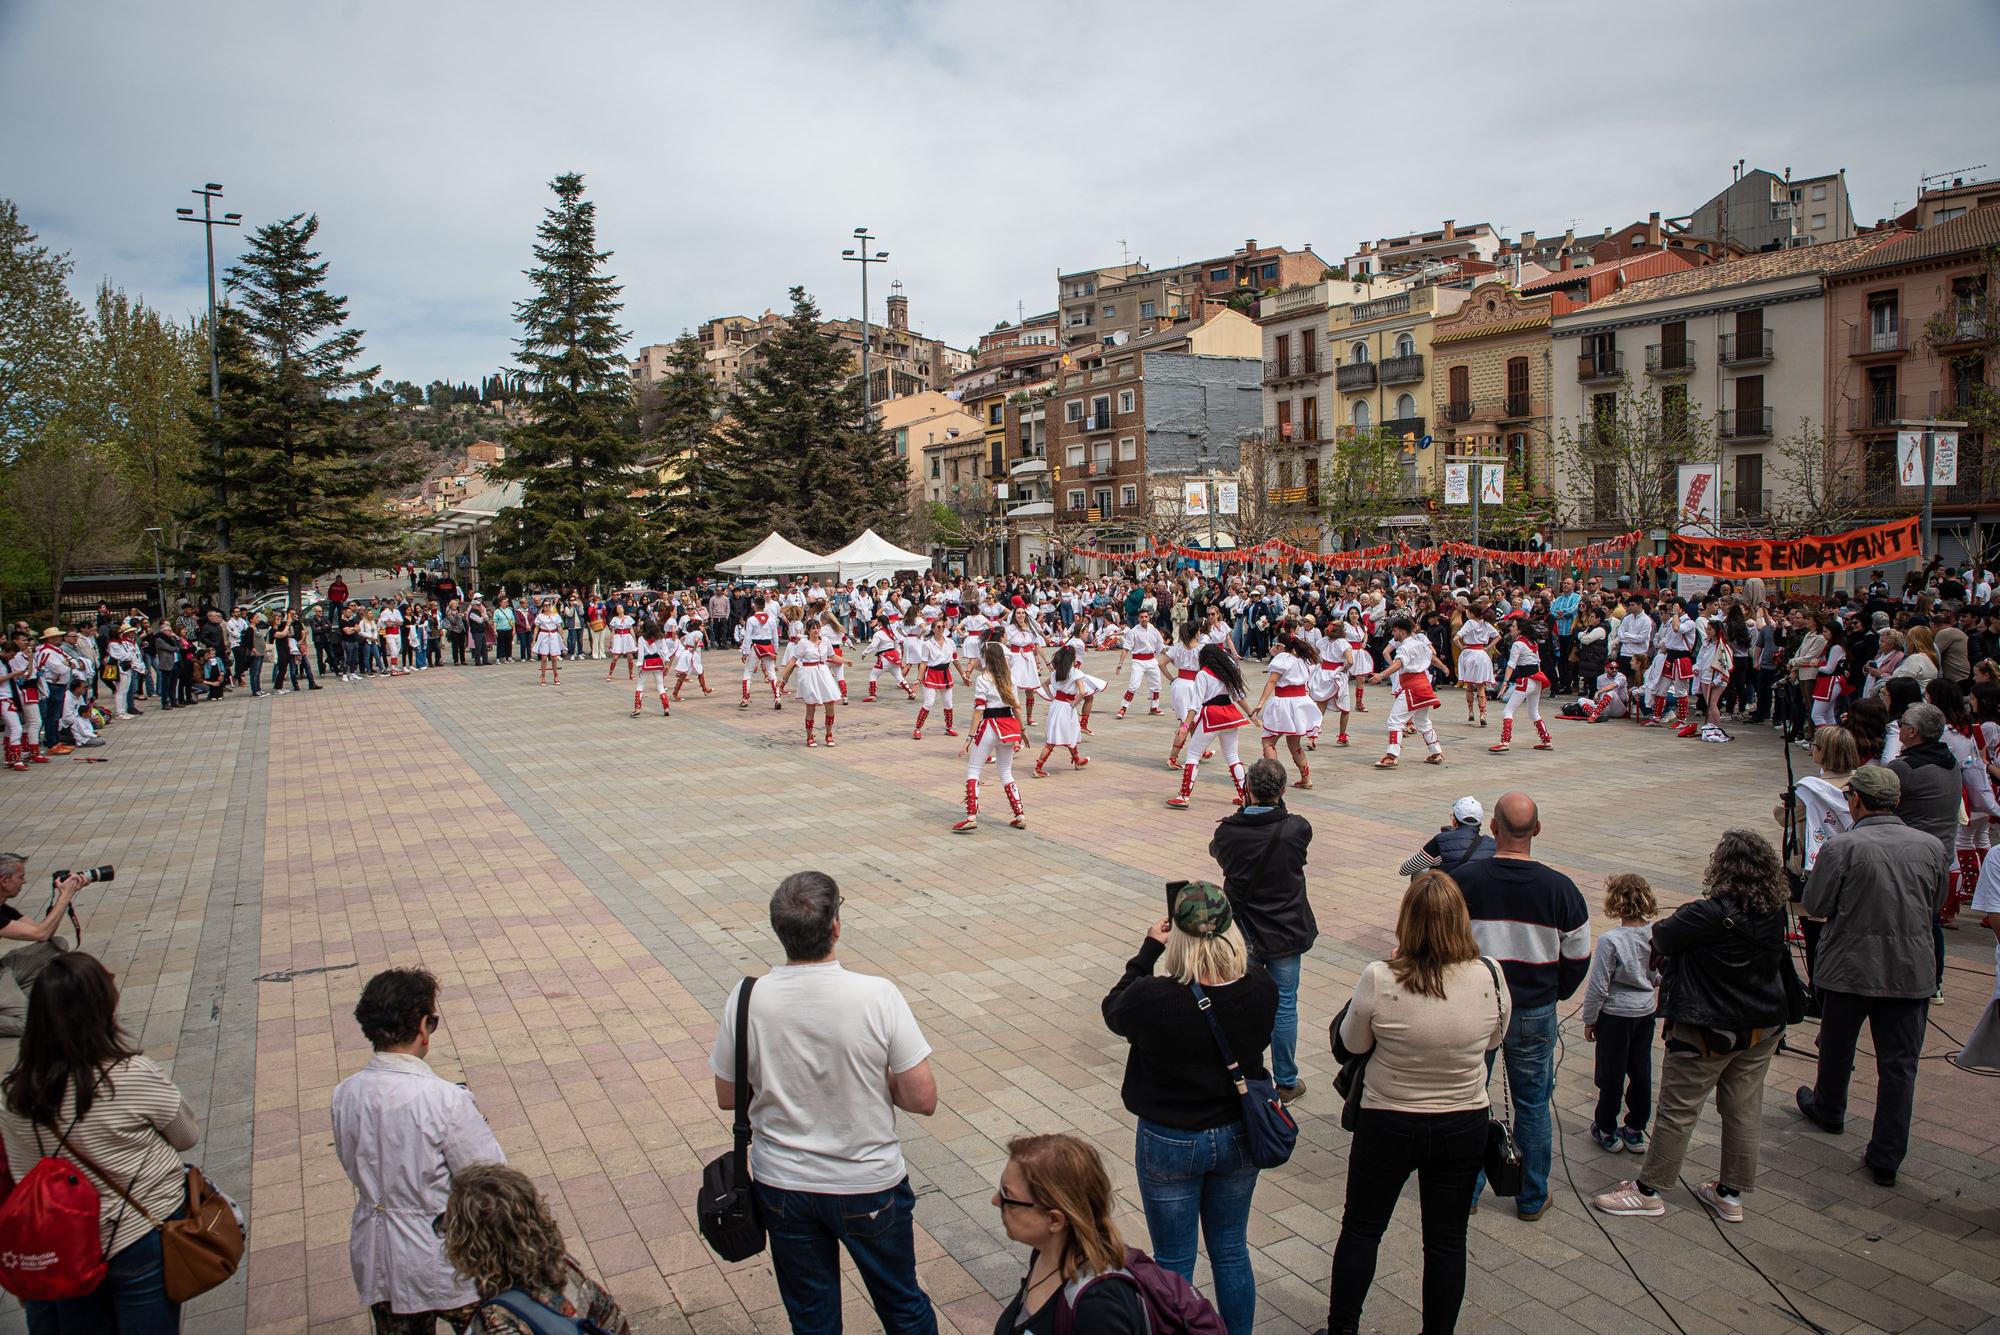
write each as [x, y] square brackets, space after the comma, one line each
[90, 875]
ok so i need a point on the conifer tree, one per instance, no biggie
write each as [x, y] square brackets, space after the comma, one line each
[687, 526]
[301, 464]
[574, 455]
[799, 456]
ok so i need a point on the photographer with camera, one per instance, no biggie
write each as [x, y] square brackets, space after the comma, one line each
[20, 966]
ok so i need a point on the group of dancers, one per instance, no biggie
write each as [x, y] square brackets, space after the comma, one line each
[1013, 659]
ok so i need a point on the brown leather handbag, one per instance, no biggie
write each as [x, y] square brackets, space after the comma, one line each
[198, 1252]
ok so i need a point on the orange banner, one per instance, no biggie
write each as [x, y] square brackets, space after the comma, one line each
[1739, 558]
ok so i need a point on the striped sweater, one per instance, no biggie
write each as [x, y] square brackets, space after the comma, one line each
[1532, 919]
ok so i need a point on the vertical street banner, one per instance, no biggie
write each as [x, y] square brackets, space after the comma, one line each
[1493, 484]
[1700, 493]
[1458, 484]
[1910, 459]
[1225, 498]
[1194, 498]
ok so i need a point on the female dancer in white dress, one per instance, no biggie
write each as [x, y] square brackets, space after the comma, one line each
[1360, 664]
[1336, 660]
[548, 640]
[1066, 689]
[1184, 654]
[886, 649]
[1286, 709]
[1024, 660]
[687, 658]
[1211, 722]
[938, 657]
[807, 660]
[996, 735]
[624, 644]
[1076, 643]
[654, 655]
[1475, 660]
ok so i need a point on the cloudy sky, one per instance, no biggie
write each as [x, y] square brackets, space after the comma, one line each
[731, 148]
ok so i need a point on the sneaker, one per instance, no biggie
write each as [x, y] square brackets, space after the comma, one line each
[1293, 1092]
[1608, 1141]
[1729, 1209]
[283, 690]
[1627, 1199]
[1635, 1141]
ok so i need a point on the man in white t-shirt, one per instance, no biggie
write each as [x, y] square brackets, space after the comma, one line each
[832, 1056]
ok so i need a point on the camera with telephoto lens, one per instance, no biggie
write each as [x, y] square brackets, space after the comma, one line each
[90, 875]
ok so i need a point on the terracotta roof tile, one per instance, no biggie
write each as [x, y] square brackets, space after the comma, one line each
[1487, 330]
[1977, 230]
[1822, 258]
[1635, 267]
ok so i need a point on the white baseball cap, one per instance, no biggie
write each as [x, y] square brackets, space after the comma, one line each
[1467, 809]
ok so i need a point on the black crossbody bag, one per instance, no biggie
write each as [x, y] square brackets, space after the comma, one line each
[726, 1206]
[1503, 1156]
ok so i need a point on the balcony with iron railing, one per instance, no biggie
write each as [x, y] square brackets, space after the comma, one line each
[1597, 367]
[1961, 322]
[1363, 312]
[1517, 406]
[1867, 340]
[1096, 421]
[1458, 410]
[1751, 349]
[1092, 514]
[1297, 365]
[1355, 375]
[1403, 370]
[1289, 498]
[1744, 424]
[1876, 412]
[1294, 433]
[1670, 359]
[1749, 504]
[1399, 427]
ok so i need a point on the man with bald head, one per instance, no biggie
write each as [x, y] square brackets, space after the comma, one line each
[1532, 920]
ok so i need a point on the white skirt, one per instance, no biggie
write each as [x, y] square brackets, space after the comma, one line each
[1062, 724]
[548, 642]
[688, 661]
[1184, 697]
[1021, 667]
[1290, 716]
[1475, 667]
[1323, 683]
[624, 642]
[814, 685]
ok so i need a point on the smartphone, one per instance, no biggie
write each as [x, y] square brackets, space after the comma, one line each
[1174, 889]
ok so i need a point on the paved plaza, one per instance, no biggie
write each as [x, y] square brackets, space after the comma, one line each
[588, 886]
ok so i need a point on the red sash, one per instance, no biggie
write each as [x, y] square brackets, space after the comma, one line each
[652, 663]
[1291, 692]
[1221, 718]
[937, 678]
[1008, 726]
[1187, 674]
[763, 648]
[1417, 692]
[1142, 658]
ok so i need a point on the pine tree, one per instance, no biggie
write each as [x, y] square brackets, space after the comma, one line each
[301, 466]
[798, 455]
[688, 528]
[573, 457]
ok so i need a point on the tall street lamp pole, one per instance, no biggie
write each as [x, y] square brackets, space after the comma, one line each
[225, 577]
[859, 255]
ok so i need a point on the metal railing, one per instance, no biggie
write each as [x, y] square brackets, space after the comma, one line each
[1355, 375]
[1963, 321]
[1097, 421]
[1865, 340]
[1743, 349]
[1459, 410]
[1670, 358]
[1743, 423]
[1750, 504]
[1288, 497]
[1876, 412]
[1518, 405]
[1403, 370]
[1597, 366]
[1293, 433]
[1297, 364]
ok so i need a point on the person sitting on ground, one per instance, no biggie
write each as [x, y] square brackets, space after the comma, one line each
[1455, 844]
[500, 1234]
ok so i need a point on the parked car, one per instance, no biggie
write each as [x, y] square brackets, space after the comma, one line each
[276, 600]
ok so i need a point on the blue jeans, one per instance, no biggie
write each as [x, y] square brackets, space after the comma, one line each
[1205, 1178]
[1530, 1049]
[807, 1230]
[1284, 971]
[132, 1300]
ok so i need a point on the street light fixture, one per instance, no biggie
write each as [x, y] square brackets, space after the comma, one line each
[225, 577]
[859, 255]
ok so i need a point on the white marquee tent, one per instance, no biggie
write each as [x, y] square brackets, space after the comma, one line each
[775, 556]
[871, 557]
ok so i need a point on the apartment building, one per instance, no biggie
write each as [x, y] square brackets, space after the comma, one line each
[1477, 241]
[1381, 371]
[1165, 403]
[918, 421]
[901, 362]
[1762, 210]
[1738, 346]
[1910, 337]
[1489, 382]
[1124, 301]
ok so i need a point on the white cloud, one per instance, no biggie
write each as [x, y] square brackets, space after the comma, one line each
[731, 149]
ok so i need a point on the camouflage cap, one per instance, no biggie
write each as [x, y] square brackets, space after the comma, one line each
[1201, 909]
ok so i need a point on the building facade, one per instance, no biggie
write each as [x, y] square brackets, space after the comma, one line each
[1491, 363]
[1762, 210]
[1381, 372]
[1415, 251]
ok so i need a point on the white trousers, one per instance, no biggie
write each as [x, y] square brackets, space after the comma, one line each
[1225, 746]
[1532, 693]
[939, 697]
[989, 744]
[1401, 716]
[656, 678]
[1147, 672]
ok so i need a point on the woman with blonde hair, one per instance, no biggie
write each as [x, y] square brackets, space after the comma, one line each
[1428, 1016]
[1055, 1196]
[996, 733]
[1193, 1156]
[500, 1234]
[1920, 662]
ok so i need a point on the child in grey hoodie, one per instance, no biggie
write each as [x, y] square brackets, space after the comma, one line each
[1618, 1005]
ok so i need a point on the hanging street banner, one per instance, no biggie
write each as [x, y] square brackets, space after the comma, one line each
[1910, 458]
[1194, 498]
[1492, 484]
[1458, 484]
[1225, 498]
[1736, 558]
[1700, 499]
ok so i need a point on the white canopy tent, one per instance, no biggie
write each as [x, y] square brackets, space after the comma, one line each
[871, 557]
[775, 556]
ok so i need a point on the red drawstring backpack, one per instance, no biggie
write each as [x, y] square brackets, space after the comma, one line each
[50, 1247]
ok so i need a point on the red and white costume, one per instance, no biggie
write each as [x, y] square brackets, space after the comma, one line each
[1524, 662]
[623, 640]
[1475, 659]
[1186, 661]
[687, 657]
[1066, 697]
[18, 712]
[1023, 661]
[390, 623]
[887, 651]
[996, 734]
[1144, 644]
[1827, 686]
[1971, 751]
[812, 677]
[548, 634]
[654, 655]
[1290, 711]
[1412, 698]
[760, 651]
[1360, 663]
[1612, 700]
[1215, 717]
[936, 658]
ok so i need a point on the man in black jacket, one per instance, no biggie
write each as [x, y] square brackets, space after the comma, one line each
[1456, 844]
[1262, 852]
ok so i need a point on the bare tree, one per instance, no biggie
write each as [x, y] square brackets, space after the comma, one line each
[1623, 459]
[1811, 496]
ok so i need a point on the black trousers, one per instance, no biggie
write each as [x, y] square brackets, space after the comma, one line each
[1445, 1151]
[1896, 1027]
[457, 639]
[1624, 1070]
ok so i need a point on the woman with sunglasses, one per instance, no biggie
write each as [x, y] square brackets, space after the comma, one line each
[402, 1133]
[1054, 1196]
